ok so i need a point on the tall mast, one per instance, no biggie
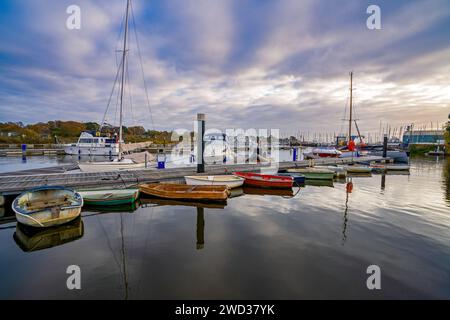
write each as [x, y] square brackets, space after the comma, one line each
[124, 53]
[351, 108]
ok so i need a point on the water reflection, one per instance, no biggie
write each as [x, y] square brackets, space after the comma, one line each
[269, 192]
[383, 182]
[318, 247]
[320, 183]
[236, 192]
[33, 239]
[348, 190]
[200, 228]
[156, 202]
[446, 175]
[117, 208]
[124, 262]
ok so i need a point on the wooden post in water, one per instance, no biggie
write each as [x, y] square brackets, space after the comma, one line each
[257, 149]
[200, 142]
[385, 143]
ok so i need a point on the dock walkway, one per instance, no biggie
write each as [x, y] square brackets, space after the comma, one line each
[16, 182]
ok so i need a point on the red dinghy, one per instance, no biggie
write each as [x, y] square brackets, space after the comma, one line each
[265, 180]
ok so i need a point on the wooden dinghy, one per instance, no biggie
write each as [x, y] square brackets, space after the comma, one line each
[230, 181]
[314, 173]
[110, 197]
[265, 180]
[185, 192]
[47, 206]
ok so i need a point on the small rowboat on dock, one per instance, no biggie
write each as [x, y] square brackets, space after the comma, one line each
[110, 197]
[47, 206]
[221, 180]
[265, 180]
[314, 173]
[185, 192]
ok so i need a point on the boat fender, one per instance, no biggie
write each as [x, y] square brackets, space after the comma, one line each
[349, 187]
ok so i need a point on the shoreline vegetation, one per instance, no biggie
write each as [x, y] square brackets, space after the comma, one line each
[56, 132]
[69, 131]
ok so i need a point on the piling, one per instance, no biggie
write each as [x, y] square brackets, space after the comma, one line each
[257, 149]
[200, 142]
[385, 143]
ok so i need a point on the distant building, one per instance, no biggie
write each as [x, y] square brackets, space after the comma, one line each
[423, 137]
[9, 134]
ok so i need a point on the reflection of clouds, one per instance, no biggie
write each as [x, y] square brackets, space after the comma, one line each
[446, 176]
[262, 246]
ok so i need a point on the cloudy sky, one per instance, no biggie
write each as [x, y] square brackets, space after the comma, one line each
[245, 63]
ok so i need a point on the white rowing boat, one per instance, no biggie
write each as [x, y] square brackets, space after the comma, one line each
[220, 180]
[47, 206]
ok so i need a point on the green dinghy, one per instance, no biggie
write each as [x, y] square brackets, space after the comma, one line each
[110, 197]
[314, 173]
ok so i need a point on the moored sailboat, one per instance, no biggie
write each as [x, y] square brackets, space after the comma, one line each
[121, 163]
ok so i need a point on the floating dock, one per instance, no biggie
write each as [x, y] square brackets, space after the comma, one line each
[15, 182]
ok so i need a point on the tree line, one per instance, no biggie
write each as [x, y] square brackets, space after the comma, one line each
[69, 131]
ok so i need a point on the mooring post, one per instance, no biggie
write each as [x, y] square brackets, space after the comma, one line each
[200, 142]
[257, 149]
[161, 158]
[385, 143]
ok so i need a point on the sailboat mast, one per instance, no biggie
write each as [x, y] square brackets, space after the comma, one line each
[351, 108]
[124, 53]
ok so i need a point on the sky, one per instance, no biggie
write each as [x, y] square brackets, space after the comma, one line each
[244, 63]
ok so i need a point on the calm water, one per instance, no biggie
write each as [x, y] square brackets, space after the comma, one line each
[317, 244]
